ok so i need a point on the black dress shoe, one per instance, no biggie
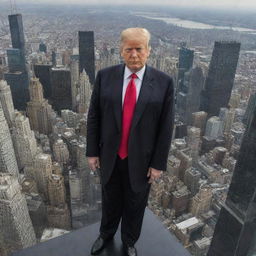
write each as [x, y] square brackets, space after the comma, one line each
[130, 250]
[99, 245]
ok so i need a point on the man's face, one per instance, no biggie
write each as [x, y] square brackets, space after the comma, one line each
[135, 53]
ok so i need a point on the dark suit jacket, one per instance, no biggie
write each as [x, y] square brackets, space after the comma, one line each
[151, 129]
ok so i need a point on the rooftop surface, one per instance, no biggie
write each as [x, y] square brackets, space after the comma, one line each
[155, 240]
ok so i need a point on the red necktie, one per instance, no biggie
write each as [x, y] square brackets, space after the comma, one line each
[128, 110]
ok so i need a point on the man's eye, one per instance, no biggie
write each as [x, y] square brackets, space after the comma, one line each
[128, 50]
[138, 49]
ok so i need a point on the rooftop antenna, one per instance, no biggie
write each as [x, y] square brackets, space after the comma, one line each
[13, 6]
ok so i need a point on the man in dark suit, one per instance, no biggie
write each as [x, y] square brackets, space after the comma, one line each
[129, 130]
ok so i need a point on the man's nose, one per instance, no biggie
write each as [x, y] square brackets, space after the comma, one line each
[134, 53]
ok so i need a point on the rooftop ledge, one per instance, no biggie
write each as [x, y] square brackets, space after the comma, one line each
[155, 240]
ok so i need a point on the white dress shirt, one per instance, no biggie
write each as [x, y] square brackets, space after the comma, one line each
[138, 81]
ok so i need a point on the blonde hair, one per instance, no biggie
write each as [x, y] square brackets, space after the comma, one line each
[130, 33]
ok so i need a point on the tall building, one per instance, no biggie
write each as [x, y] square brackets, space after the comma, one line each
[54, 61]
[24, 141]
[186, 57]
[70, 118]
[227, 116]
[220, 79]
[37, 210]
[43, 170]
[194, 141]
[42, 47]
[180, 200]
[201, 202]
[185, 161]
[199, 120]
[58, 217]
[38, 108]
[188, 97]
[235, 231]
[60, 152]
[214, 127]
[86, 54]
[18, 82]
[56, 189]
[43, 71]
[17, 77]
[16, 227]
[58, 213]
[84, 93]
[234, 100]
[6, 101]
[17, 33]
[15, 60]
[249, 110]
[61, 89]
[74, 72]
[8, 163]
[191, 180]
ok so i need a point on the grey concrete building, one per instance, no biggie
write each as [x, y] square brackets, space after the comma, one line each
[16, 227]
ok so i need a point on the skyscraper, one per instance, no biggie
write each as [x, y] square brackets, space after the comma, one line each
[24, 141]
[8, 163]
[17, 34]
[194, 141]
[43, 170]
[42, 47]
[201, 202]
[38, 110]
[249, 110]
[6, 101]
[235, 230]
[74, 73]
[60, 152]
[54, 61]
[84, 93]
[18, 82]
[17, 77]
[220, 79]
[188, 98]
[58, 213]
[43, 71]
[61, 89]
[214, 127]
[56, 189]
[86, 54]
[15, 60]
[16, 227]
[191, 180]
[186, 57]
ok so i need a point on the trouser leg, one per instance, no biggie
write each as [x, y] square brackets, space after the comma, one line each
[133, 209]
[112, 204]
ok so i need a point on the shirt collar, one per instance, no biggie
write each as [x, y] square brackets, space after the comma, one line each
[140, 73]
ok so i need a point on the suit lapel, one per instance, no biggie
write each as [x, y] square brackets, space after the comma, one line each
[144, 96]
[117, 82]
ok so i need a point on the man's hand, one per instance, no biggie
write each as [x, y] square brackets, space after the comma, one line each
[94, 162]
[154, 174]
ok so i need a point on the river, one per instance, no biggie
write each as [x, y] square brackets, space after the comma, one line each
[193, 24]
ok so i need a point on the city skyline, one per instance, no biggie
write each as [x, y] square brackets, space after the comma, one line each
[45, 144]
[247, 4]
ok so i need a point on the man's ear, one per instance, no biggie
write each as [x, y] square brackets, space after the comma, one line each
[149, 50]
[121, 49]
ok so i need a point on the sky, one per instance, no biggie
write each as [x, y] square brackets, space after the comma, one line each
[204, 3]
